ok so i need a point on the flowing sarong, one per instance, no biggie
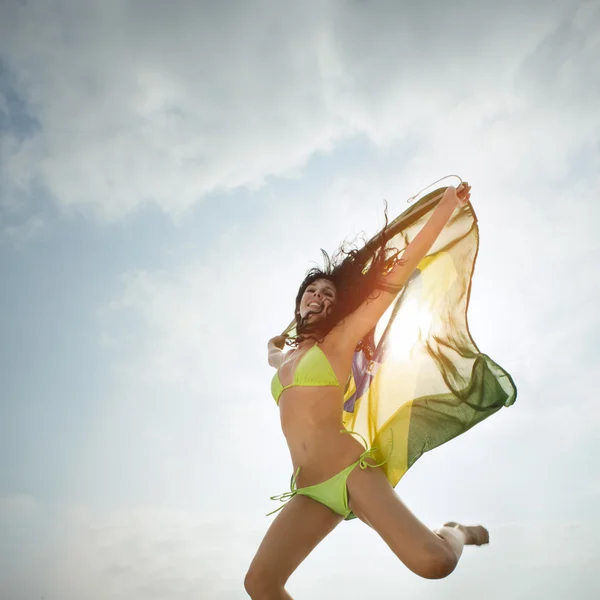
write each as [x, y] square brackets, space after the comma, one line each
[427, 381]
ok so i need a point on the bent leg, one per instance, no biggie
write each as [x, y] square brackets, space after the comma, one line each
[292, 536]
[432, 555]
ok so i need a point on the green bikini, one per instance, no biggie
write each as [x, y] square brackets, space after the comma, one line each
[314, 370]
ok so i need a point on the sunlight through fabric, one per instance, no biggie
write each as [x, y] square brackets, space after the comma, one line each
[427, 381]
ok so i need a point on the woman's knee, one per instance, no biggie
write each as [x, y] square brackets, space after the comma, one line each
[259, 583]
[437, 564]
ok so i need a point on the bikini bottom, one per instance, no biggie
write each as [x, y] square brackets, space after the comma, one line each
[332, 493]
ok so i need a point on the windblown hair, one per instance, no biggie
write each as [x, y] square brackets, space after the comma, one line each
[358, 275]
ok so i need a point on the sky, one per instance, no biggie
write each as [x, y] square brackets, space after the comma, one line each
[168, 173]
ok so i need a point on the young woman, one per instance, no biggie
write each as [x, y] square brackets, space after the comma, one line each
[334, 476]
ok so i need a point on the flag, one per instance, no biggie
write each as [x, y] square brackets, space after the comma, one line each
[427, 381]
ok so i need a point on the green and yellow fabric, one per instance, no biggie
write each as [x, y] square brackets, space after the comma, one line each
[427, 381]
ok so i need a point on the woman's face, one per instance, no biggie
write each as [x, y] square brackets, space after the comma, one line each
[317, 300]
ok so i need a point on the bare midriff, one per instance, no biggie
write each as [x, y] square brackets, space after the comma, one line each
[311, 421]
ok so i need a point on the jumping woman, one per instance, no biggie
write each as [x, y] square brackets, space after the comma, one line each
[335, 476]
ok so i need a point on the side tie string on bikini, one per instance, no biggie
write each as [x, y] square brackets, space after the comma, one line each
[362, 463]
[286, 496]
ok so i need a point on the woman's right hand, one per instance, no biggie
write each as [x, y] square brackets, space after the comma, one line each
[278, 341]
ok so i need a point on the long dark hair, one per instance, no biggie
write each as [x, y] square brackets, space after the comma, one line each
[357, 274]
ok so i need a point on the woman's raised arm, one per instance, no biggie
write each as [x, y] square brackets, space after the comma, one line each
[365, 317]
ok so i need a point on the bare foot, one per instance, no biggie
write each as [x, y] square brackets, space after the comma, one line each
[475, 535]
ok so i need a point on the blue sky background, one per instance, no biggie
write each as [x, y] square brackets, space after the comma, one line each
[167, 175]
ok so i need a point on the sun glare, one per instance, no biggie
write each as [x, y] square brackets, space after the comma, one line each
[415, 325]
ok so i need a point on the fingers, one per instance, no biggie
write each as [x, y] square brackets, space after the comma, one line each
[278, 341]
[463, 193]
[463, 189]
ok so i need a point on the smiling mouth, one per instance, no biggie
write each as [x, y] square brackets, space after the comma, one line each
[314, 310]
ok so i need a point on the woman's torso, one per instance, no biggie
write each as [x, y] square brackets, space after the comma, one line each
[311, 417]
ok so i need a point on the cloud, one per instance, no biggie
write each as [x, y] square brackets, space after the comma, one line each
[202, 326]
[136, 104]
[22, 233]
[146, 553]
[159, 553]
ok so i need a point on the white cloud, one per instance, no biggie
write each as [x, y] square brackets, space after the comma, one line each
[148, 553]
[154, 552]
[20, 234]
[140, 105]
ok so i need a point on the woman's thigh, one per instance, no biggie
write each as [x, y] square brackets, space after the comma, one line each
[294, 533]
[373, 500]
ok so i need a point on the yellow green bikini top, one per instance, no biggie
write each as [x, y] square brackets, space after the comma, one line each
[313, 370]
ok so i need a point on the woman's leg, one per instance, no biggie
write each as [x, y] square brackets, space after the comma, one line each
[427, 553]
[294, 533]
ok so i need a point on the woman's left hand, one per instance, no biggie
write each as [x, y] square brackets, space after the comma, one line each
[460, 195]
[463, 193]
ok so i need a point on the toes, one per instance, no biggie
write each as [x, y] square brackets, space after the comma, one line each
[483, 536]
